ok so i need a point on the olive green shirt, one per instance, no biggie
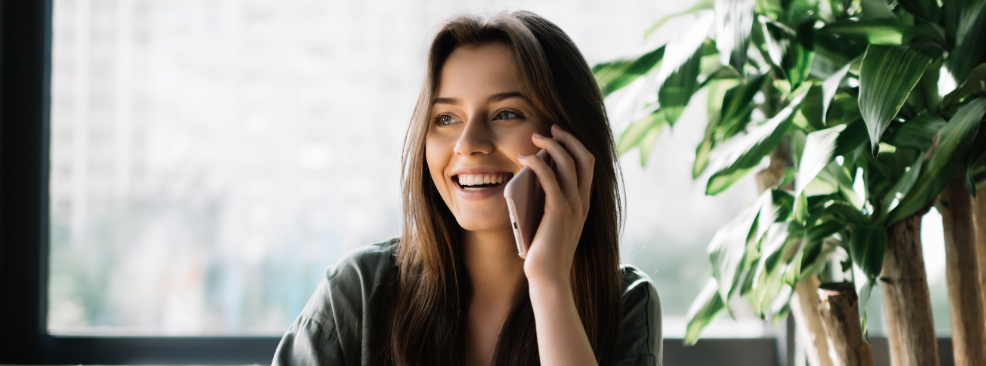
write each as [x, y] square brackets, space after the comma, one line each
[337, 319]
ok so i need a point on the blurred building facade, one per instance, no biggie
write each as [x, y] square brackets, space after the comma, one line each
[209, 159]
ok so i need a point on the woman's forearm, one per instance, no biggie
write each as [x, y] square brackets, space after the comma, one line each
[561, 336]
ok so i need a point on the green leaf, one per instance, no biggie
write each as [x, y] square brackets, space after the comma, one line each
[736, 108]
[887, 75]
[717, 91]
[832, 52]
[969, 36]
[777, 39]
[678, 75]
[864, 288]
[701, 157]
[770, 269]
[818, 152]
[876, 9]
[677, 89]
[728, 249]
[831, 85]
[743, 153]
[800, 212]
[845, 212]
[776, 209]
[853, 137]
[636, 132]
[791, 51]
[614, 75]
[976, 83]
[706, 306]
[797, 61]
[823, 230]
[648, 142]
[772, 9]
[809, 117]
[975, 171]
[903, 186]
[925, 94]
[883, 31]
[954, 140]
[866, 246]
[919, 132]
[697, 6]
[734, 21]
[924, 9]
[814, 257]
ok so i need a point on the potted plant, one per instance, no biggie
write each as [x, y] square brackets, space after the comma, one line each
[844, 99]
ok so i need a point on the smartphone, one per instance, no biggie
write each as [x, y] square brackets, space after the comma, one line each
[525, 201]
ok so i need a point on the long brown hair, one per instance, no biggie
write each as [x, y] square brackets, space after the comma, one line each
[426, 318]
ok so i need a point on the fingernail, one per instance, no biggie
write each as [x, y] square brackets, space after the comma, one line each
[521, 156]
[538, 135]
[558, 127]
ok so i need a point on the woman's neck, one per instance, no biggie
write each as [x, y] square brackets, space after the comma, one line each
[494, 267]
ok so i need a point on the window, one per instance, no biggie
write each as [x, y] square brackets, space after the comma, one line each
[176, 187]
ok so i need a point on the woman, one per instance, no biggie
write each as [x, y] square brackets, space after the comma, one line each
[452, 289]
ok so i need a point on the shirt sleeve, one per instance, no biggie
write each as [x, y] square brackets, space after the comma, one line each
[642, 341]
[333, 325]
[308, 343]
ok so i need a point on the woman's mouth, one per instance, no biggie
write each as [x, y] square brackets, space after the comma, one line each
[479, 182]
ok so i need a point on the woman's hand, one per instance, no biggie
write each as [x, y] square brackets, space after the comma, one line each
[566, 205]
[548, 264]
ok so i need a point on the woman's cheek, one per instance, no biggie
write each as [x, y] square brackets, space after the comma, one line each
[437, 160]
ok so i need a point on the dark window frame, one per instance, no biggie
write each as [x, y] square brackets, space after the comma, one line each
[25, 67]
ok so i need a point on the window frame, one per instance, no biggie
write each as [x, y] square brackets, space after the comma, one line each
[25, 67]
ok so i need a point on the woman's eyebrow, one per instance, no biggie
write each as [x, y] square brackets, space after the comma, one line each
[501, 96]
[492, 99]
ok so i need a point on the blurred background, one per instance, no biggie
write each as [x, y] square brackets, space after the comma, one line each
[210, 159]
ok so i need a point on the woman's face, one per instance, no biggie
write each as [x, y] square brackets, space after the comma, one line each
[480, 122]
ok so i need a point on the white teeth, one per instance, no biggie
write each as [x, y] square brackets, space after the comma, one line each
[487, 178]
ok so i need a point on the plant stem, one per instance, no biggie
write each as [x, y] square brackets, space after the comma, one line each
[840, 310]
[979, 206]
[804, 303]
[962, 273]
[807, 318]
[910, 328]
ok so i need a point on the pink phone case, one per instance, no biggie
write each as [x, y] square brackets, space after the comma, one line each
[525, 201]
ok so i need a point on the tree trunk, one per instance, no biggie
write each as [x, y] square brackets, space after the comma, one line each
[962, 273]
[910, 328]
[809, 325]
[804, 303]
[840, 309]
[980, 208]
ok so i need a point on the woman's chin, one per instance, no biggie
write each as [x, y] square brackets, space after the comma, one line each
[483, 222]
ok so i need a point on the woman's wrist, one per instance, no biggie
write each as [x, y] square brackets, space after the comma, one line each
[549, 286]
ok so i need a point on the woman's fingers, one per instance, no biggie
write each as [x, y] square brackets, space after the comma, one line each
[568, 180]
[547, 178]
[585, 161]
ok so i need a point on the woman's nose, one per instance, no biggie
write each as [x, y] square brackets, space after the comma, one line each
[476, 138]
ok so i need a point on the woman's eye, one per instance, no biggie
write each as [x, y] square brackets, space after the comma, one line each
[444, 120]
[507, 115]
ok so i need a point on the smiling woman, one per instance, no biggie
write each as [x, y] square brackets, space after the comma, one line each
[452, 289]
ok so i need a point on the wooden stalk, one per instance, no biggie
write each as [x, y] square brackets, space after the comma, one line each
[809, 325]
[910, 328]
[804, 302]
[979, 206]
[962, 273]
[839, 309]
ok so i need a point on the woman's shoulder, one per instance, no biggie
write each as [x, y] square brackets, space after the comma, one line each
[367, 259]
[642, 334]
[361, 275]
[636, 283]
